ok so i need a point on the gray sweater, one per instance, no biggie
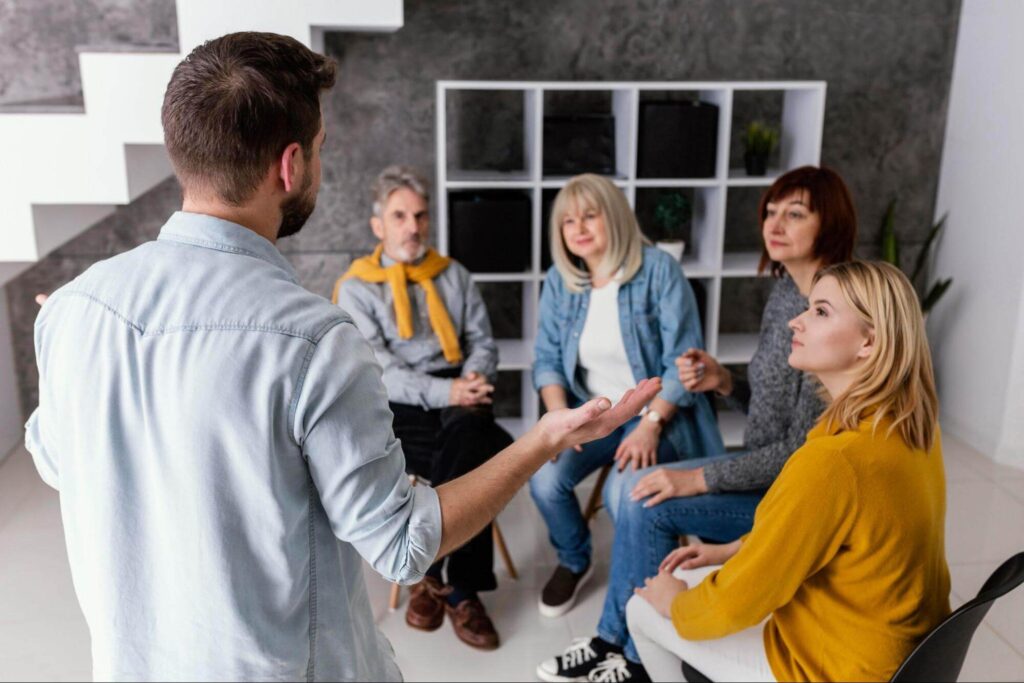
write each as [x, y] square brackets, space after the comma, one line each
[781, 403]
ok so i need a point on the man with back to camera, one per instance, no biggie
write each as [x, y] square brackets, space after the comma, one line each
[214, 429]
[428, 328]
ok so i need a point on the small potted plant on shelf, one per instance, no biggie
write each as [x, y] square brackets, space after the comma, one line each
[759, 142]
[671, 214]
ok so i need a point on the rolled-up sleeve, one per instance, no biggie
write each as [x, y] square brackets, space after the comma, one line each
[547, 350]
[342, 422]
[680, 330]
[35, 443]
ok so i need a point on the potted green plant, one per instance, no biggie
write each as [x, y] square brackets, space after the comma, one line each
[929, 295]
[759, 142]
[671, 214]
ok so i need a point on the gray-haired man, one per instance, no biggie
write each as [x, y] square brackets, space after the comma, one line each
[429, 329]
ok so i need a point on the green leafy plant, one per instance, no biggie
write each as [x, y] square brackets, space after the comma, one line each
[671, 212]
[760, 139]
[928, 294]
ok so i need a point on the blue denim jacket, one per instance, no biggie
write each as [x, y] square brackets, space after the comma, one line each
[658, 320]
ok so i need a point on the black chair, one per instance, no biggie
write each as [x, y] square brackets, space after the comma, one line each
[940, 656]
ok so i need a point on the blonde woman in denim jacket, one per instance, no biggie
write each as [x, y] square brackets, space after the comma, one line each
[614, 310]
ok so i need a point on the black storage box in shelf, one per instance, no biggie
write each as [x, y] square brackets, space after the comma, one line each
[489, 230]
[678, 139]
[579, 143]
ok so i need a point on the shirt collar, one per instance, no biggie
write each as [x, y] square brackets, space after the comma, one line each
[386, 261]
[209, 232]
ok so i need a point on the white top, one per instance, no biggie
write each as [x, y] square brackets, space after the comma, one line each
[602, 356]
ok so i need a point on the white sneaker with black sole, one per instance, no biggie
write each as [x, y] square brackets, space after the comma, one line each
[559, 594]
[582, 657]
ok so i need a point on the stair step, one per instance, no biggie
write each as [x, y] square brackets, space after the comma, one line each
[128, 47]
[73, 103]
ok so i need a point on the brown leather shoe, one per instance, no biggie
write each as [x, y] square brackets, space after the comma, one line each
[426, 604]
[472, 625]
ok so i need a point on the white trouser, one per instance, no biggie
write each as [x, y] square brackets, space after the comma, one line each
[738, 657]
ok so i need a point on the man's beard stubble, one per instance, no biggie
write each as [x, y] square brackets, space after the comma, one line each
[295, 211]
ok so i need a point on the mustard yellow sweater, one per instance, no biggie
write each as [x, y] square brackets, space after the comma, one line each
[847, 555]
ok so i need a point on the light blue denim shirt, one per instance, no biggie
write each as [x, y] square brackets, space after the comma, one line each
[658, 321]
[222, 445]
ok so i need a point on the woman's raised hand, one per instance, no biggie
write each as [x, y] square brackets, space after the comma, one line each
[699, 371]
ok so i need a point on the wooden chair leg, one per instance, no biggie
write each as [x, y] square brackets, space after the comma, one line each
[595, 502]
[396, 594]
[499, 541]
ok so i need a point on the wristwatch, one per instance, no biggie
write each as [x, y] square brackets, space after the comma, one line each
[655, 417]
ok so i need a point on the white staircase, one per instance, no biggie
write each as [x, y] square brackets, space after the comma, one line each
[66, 167]
[64, 170]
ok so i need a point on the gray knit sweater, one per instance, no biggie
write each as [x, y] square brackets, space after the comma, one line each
[781, 403]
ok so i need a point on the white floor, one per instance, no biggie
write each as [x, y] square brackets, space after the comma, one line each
[43, 636]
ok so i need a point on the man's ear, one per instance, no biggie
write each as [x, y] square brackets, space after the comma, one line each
[377, 225]
[292, 166]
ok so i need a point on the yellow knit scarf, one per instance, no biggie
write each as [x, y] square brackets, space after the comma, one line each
[397, 275]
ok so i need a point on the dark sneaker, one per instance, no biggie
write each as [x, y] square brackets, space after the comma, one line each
[472, 625]
[559, 594]
[578, 660]
[617, 669]
[426, 604]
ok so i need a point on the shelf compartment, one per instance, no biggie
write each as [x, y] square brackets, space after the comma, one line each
[587, 131]
[736, 348]
[679, 133]
[488, 131]
[740, 264]
[743, 300]
[491, 230]
[742, 225]
[732, 424]
[515, 354]
[796, 112]
[694, 268]
[504, 302]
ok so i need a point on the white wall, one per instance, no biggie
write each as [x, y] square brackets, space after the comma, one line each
[977, 332]
[10, 410]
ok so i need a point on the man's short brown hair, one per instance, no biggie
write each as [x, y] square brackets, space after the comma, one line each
[235, 103]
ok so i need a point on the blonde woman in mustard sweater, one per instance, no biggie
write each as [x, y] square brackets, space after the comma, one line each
[844, 570]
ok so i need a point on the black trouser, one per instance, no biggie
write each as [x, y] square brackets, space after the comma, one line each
[441, 445]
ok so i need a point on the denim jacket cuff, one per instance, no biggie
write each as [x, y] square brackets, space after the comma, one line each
[543, 378]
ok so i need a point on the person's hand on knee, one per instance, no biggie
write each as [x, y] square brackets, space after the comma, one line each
[698, 555]
[662, 484]
[660, 591]
[639, 448]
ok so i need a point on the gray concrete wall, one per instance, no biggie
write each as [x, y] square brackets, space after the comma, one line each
[887, 64]
[38, 59]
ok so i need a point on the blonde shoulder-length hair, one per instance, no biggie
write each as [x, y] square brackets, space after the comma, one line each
[625, 241]
[896, 381]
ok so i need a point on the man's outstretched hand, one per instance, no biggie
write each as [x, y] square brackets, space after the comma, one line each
[596, 418]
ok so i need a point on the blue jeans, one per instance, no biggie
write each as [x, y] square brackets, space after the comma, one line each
[644, 536]
[553, 490]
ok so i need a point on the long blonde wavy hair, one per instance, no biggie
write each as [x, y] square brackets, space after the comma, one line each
[625, 241]
[896, 380]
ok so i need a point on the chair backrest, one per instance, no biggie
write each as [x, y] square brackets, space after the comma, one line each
[940, 656]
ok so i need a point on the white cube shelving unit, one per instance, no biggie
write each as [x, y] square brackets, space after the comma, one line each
[802, 123]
